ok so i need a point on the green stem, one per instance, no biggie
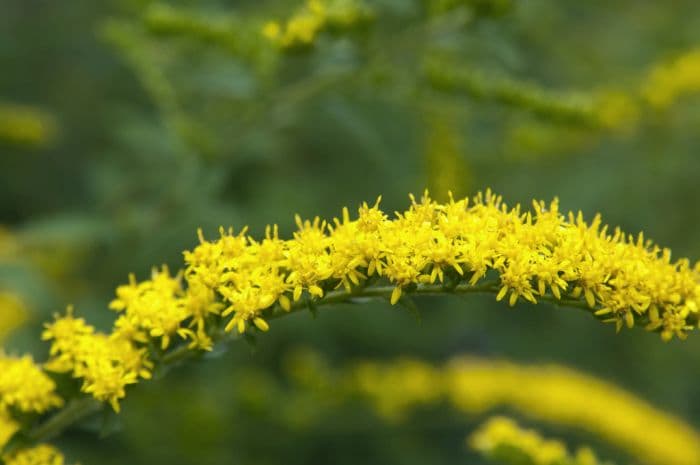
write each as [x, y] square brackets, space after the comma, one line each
[383, 292]
[75, 411]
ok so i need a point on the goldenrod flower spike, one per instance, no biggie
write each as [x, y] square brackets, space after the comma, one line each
[453, 247]
[460, 246]
[501, 439]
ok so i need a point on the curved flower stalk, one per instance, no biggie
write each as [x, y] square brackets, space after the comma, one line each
[502, 440]
[439, 248]
[237, 284]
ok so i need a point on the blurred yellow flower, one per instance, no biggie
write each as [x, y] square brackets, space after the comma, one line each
[549, 393]
[302, 28]
[561, 396]
[13, 313]
[25, 125]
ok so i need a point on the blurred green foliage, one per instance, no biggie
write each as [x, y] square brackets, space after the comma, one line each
[133, 122]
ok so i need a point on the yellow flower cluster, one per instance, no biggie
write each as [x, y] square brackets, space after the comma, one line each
[24, 388]
[667, 82]
[43, 454]
[502, 439]
[301, 29]
[13, 313]
[548, 393]
[106, 363]
[156, 308]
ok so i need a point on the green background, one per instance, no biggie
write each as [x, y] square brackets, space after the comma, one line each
[130, 176]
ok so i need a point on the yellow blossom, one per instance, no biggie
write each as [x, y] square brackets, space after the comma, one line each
[154, 306]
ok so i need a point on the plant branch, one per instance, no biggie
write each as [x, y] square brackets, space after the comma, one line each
[78, 409]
